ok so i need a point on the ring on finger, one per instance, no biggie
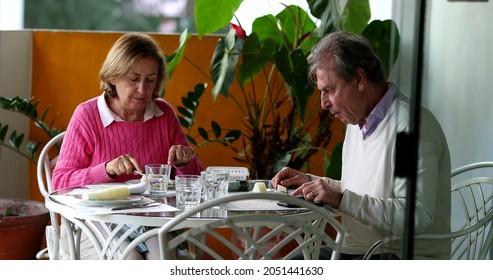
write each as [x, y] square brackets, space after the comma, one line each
[313, 194]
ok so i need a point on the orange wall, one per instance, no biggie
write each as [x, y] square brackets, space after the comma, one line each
[65, 73]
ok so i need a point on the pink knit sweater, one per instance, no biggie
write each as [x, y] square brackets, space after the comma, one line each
[88, 145]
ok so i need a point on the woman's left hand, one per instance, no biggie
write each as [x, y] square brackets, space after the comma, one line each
[180, 155]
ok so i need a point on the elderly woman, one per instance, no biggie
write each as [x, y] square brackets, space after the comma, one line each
[111, 136]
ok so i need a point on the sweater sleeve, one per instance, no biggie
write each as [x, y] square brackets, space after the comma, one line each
[73, 165]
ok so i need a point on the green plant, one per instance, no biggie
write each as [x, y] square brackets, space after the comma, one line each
[187, 114]
[190, 104]
[28, 108]
[283, 124]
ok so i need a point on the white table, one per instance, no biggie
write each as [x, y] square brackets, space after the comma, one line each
[105, 230]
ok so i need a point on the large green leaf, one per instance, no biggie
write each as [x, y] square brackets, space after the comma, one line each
[255, 57]
[295, 24]
[210, 16]
[174, 59]
[294, 69]
[266, 28]
[384, 38]
[356, 16]
[328, 12]
[335, 15]
[224, 62]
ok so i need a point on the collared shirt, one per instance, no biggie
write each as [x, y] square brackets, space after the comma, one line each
[108, 116]
[378, 113]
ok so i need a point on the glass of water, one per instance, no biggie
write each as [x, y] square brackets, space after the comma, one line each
[157, 177]
[188, 190]
[214, 184]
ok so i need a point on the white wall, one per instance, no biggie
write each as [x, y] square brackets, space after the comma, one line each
[458, 67]
[456, 70]
[15, 80]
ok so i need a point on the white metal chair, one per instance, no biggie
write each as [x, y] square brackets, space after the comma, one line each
[472, 214]
[263, 235]
[46, 163]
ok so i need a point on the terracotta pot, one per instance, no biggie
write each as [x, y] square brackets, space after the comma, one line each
[21, 236]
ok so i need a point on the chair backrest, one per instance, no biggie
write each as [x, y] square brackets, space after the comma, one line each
[263, 235]
[46, 163]
[472, 211]
[471, 233]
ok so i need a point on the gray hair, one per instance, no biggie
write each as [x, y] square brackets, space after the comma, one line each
[350, 52]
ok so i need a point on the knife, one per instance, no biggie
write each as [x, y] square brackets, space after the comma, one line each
[148, 204]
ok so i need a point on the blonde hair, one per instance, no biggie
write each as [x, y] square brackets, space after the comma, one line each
[125, 53]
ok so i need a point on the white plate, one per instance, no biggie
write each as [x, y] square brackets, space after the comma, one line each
[133, 199]
[133, 182]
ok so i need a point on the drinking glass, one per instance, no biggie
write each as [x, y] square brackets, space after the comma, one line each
[188, 190]
[157, 177]
[214, 184]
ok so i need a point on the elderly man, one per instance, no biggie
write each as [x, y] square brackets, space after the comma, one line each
[370, 199]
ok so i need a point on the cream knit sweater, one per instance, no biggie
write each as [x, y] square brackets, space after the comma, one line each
[373, 203]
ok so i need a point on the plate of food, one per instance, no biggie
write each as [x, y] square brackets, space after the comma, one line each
[113, 196]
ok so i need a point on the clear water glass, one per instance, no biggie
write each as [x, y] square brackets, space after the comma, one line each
[214, 184]
[188, 190]
[157, 178]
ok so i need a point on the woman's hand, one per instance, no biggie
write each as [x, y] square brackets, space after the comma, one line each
[180, 155]
[124, 164]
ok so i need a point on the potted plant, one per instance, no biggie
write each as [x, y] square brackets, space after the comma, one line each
[22, 228]
[283, 124]
[22, 221]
